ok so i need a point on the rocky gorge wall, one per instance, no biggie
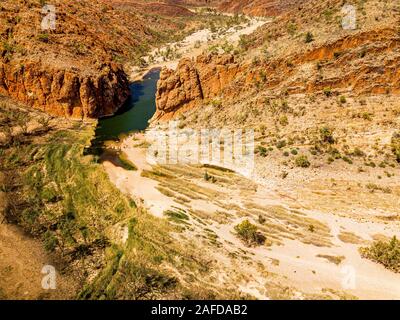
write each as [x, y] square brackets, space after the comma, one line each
[363, 63]
[65, 92]
[193, 82]
[75, 69]
[265, 8]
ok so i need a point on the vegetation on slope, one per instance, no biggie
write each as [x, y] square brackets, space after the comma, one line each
[64, 198]
[386, 253]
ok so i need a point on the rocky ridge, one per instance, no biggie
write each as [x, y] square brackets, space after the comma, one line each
[259, 7]
[77, 69]
[362, 61]
[63, 92]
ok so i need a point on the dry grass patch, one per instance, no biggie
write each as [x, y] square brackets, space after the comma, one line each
[333, 259]
[279, 222]
[350, 237]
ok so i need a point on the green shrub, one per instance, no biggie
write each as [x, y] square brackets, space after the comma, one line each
[261, 219]
[283, 121]
[291, 28]
[309, 37]
[313, 151]
[367, 116]
[358, 152]
[50, 241]
[43, 37]
[385, 253]
[370, 164]
[327, 91]
[262, 151]
[8, 47]
[244, 42]
[337, 54]
[216, 103]
[249, 234]
[347, 159]
[395, 143]
[302, 161]
[49, 194]
[281, 144]
[209, 177]
[335, 153]
[263, 76]
[326, 135]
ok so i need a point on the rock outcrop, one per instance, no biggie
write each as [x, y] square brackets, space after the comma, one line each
[193, 82]
[65, 92]
[360, 63]
[266, 8]
[74, 68]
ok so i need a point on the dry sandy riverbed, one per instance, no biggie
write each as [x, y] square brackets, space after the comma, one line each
[194, 44]
[297, 264]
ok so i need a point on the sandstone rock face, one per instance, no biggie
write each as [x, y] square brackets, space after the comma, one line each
[361, 63]
[193, 82]
[64, 92]
[72, 71]
[260, 7]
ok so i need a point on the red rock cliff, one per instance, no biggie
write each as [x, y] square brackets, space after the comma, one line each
[193, 82]
[65, 92]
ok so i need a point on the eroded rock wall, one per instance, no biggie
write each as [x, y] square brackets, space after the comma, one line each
[363, 63]
[193, 82]
[65, 92]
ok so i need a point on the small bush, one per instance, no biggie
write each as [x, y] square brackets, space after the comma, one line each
[326, 135]
[262, 151]
[292, 28]
[283, 121]
[48, 194]
[249, 234]
[337, 54]
[309, 37]
[367, 116]
[50, 241]
[209, 177]
[358, 153]
[261, 219]
[385, 253]
[327, 91]
[43, 37]
[244, 42]
[216, 103]
[370, 164]
[395, 143]
[281, 144]
[347, 159]
[302, 161]
[335, 153]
